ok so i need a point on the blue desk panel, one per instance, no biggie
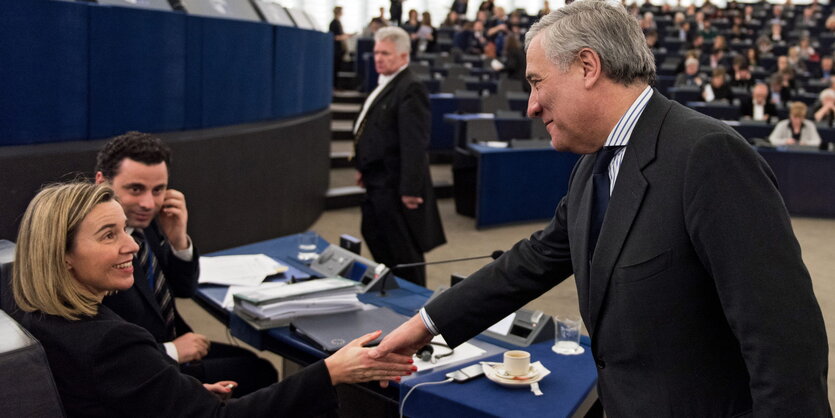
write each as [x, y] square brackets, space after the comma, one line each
[43, 74]
[518, 185]
[443, 134]
[806, 180]
[137, 70]
[564, 390]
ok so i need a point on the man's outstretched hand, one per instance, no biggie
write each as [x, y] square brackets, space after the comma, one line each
[407, 339]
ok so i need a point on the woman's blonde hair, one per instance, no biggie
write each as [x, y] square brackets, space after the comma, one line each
[41, 280]
[798, 109]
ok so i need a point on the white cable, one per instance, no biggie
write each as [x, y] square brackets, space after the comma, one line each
[403, 402]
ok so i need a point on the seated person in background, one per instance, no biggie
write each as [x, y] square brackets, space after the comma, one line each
[764, 45]
[513, 61]
[775, 35]
[136, 166]
[451, 21]
[426, 34]
[824, 110]
[780, 85]
[372, 28]
[72, 250]
[652, 43]
[741, 77]
[796, 130]
[690, 77]
[806, 51]
[716, 59]
[753, 57]
[718, 89]
[411, 26]
[470, 39]
[759, 107]
[795, 62]
[824, 73]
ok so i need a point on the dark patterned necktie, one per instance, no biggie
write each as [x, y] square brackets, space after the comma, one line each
[156, 281]
[600, 194]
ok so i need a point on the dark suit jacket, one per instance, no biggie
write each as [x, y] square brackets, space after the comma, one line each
[106, 367]
[697, 300]
[138, 305]
[391, 153]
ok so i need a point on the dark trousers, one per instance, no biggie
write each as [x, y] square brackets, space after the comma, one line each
[338, 54]
[388, 237]
[228, 362]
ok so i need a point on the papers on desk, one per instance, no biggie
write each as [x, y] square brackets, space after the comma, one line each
[238, 270]
[229, 302]
[269, 306]
[462, 353]
[281, 313]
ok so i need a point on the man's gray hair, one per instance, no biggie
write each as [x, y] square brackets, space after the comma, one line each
[602, 26]
[399, 37]
[827, 94]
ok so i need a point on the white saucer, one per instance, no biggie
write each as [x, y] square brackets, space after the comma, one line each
[491, 374]
[501, 373]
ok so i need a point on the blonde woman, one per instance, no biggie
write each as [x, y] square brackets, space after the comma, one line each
[795, 130]
[72, 250]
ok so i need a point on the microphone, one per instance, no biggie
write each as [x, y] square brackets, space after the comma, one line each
[387, 271]
[494, 255]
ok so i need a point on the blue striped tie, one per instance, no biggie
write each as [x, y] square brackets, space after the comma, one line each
[156, 281]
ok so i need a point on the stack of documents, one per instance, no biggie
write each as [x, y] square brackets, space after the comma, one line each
[268, 307]
[238, 270]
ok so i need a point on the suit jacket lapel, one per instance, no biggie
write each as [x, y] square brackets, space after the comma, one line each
[386, 90]
[581, 268]
[626, 200]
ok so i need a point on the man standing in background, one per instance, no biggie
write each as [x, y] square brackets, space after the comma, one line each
[400, 219]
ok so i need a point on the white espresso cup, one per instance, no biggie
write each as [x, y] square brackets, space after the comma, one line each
[517, 362]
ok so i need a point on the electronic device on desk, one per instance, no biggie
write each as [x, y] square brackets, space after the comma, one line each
[528, 327]
[336, 261]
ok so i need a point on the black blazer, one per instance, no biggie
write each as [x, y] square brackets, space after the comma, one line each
[138, 305]
[697, 300]
[391, 154]
[106, 367]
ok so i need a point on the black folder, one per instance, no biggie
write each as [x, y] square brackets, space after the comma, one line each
[331, 332]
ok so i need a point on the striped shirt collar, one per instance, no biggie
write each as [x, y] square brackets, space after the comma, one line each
[621, 133]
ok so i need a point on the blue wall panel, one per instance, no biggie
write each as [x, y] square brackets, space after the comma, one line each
[237, 72]
[43, 72]
[289, 47]
[194, 73]
[137, 71]
[75, 71]
[320, 66]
